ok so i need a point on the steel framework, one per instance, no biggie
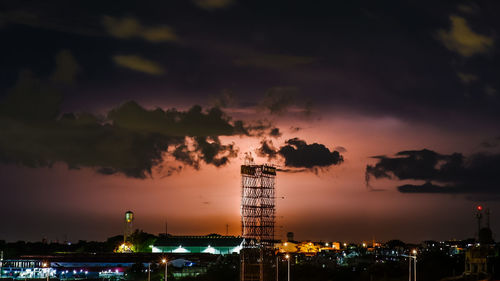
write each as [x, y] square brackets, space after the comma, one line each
[257, 219]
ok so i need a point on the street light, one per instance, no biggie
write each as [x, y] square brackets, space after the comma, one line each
[149, 271]
[46, 265]
[414, 265]
[288, 258]
[277, 269]
[166, 266]
[414, 257]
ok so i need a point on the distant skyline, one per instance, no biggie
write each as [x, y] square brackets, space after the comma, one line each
[381, 117]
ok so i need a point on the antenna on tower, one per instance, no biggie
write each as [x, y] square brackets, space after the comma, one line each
[479, 216]
[249, 158]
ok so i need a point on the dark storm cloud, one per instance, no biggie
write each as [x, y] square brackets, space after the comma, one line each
[66, 68]
[354, 57]
[129, 139]
[225, 99]
[491, 143]
[298, 154]
[278, 99]
[213, 152]
[32, 99]
[453, 173]
[256, 128]
[275, 132]
[267, 149]
[206, 149]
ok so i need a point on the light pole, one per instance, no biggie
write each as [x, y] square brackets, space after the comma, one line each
[166, 267]
[414, 257]
[288, 258]
[277, 271]
[409, 268]
[415, 265]
[149, 271]
[46, 265]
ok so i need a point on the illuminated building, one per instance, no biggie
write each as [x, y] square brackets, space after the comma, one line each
[287, 247]
[210, 244]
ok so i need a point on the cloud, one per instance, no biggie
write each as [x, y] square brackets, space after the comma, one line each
[299, 154]
[128, 28]
[340, 149]
[467, 78]
[491, 143]
[453, 173]
[225, 99]
[255, 128]
[138, 63]
[278, 99]
[267, 149]
[275, 132]
[206, 149]
[213, 152]
[129, 139]
[66, 68]
[213, 4]
[463, 40]
[31, 98]
[284, 99]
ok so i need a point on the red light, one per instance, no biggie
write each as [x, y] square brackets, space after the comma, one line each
[479, 208]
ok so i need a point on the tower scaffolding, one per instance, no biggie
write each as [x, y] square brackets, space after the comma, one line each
[257, 220]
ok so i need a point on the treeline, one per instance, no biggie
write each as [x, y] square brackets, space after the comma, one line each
[13, 250]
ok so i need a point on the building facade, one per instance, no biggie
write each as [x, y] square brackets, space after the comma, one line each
[209, 244]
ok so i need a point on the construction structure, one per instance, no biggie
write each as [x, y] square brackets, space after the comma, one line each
[257, 220]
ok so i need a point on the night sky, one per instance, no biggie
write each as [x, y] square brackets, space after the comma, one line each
[382, 116]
